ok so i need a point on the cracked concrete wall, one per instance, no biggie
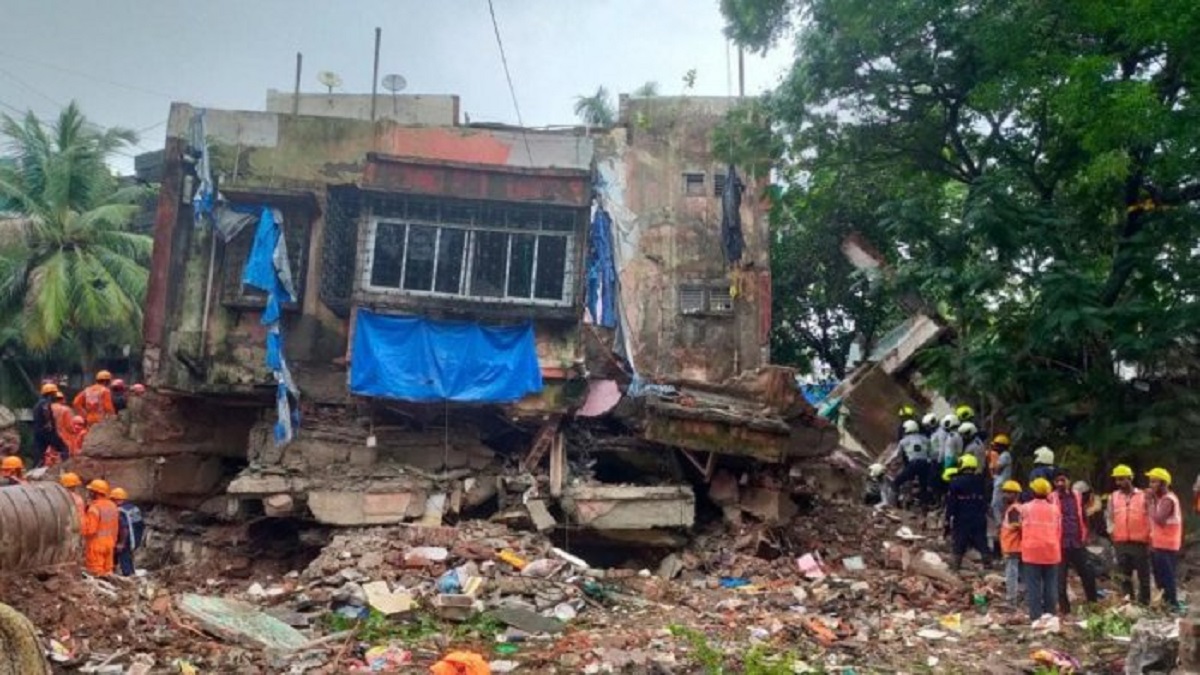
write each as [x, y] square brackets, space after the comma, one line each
[668, 238]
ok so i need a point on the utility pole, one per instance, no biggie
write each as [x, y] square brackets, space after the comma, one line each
[296, 89]
[741, 72]
[375, 72]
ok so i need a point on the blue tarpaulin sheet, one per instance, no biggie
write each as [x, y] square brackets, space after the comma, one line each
[411, 358]
[601, 273]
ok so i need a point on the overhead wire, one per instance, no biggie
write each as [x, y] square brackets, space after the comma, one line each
[508, 76]
[89, 76]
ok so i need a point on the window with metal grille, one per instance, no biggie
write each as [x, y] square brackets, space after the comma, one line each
[718, 184]
[338, 253]
[473, 251]
[693, 184]
[697, 299]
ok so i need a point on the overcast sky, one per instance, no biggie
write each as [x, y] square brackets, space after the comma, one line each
[125, 61]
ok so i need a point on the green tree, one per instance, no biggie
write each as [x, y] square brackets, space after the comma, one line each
[1035, 176]
[596, 110]
[70, 271]
[647, 90]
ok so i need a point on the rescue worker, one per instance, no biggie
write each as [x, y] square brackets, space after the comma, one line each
[1041, 549]
[79, 428]
[965, 413]
[118, 395]
[100, 524]
[1010, 538]
[873, 488]
[1166, 534]
[45, 434]
[1043, 467]
[1128, 518]
[1093, 509]
[74, 485]
[914, 448]
[953, 441]
[138, 389]
[12, 471]
[62, 425]
[129, 531]
[966, 510]
[95, 403]
[1000, 466]
[906, 413]
[1074, 536]
[972, 443]
[929, 424]
[937, 457]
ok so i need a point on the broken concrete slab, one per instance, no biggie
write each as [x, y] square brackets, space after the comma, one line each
[381, 598]
[240, 622]
[770, 505]
[278, 505]
[356, 508]
[540, 515]
[630, 507]
[527, 620]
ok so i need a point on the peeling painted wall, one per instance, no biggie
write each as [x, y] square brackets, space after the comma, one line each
[667, 239]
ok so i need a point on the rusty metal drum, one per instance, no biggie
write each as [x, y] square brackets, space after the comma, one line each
[39, 527]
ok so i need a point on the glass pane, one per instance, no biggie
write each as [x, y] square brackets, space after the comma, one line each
[418, 271]
[520, 266]
[449, 261]
[388, 256]
[552, 268]
[489, 253]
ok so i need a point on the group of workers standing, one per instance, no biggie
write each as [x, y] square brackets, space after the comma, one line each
[59, 429]
[111, 525]
[1040, 530]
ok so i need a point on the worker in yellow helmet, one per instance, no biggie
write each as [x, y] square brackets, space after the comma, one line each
[1166, 534]
[966, 511]
[1128, 519]
[1041, 549]
[1000, 468]
[1010, 538]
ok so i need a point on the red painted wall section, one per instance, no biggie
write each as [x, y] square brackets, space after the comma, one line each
[445, 144]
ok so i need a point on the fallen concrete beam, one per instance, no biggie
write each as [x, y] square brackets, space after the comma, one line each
[630, 507]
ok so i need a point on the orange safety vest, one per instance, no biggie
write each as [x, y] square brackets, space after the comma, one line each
[1010, 534]
[81, 506]
[1168, 537]
[1131, 520]
[63, 415]
[100, 536]
[1041, 533]
[1082, 517]
[95, 404]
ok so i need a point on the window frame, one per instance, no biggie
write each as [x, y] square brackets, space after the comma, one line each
[708, 291]
[466, 267]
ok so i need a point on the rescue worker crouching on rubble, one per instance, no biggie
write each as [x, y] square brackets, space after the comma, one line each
[95, 403]
[1166, 534]
[873, 489]
[966, 511]
[914, 448]
[1041, 549]
[129, 531]
[1074, 536]
[45, 434]
[12, 471]
[1010, 538]
[1128, 518]
[100, 526]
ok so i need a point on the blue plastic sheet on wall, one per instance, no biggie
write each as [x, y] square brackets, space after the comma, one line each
[411, 358]
[601, 273]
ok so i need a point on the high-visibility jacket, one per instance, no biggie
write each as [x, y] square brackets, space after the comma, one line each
[1130, 517]
[79, 504]
[63, 416]
[100, 536]
[1041, 533]
[95, 404]
[1010, 533]
[1168, 536]
[1083, 530]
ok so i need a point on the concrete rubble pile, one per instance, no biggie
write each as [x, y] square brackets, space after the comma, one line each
[834, 588]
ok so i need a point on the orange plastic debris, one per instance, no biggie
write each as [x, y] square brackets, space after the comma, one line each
[512, 559]
[461, 663]
[825, 636]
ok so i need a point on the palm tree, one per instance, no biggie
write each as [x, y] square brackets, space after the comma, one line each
[69, 268]
[647, 90]
[596, 110]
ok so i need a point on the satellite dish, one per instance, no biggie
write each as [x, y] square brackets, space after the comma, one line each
[394, 83]
[329, 79]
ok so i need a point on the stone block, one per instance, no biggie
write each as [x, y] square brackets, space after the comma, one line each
[355, 508]
[770, 505]
[279, 505]
[321, 455]
[361, 455]
[631, 507]
[190, 475]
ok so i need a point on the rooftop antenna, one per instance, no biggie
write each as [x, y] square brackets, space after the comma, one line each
[394, 83]
[330, 79]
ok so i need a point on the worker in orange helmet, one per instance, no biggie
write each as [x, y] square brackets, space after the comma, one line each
[80, 430]
[12, 471]
[45, 433]
[95, 403]
[100, 524]
[74, 484]
[62, 415]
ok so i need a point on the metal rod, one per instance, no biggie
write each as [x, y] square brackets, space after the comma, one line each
[296, 89]
[741, 73]
[375, 73]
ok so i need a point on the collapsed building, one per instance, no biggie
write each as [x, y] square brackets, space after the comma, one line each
[410, 319]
